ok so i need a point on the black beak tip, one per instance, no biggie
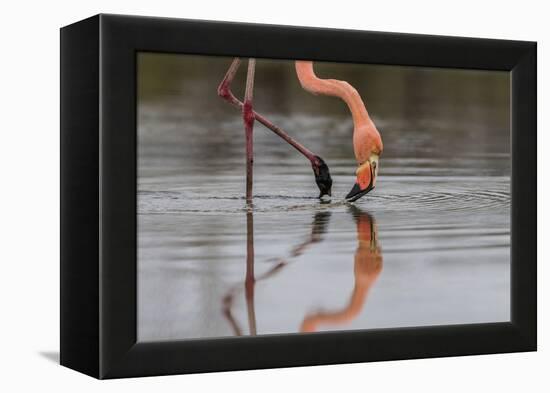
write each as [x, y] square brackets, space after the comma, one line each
[357, 193]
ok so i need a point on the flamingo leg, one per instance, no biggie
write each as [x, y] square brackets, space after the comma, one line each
[224, 91]
[248, 118]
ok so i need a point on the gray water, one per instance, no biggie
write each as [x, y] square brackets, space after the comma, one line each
[430, 245]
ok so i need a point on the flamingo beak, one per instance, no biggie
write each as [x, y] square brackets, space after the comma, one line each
[366, 180]
[356, 192]
[322, 178]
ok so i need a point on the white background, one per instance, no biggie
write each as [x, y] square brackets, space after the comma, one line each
[29, 207]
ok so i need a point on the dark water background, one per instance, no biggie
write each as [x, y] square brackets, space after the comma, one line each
[429, 246]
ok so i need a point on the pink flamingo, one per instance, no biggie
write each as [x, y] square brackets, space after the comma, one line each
[367, 143]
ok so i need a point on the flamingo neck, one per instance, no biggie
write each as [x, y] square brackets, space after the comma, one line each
[335, 88]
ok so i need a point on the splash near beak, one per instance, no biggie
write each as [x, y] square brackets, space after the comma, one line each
[366, 175]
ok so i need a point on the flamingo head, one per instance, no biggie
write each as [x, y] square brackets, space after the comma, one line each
[367, 173]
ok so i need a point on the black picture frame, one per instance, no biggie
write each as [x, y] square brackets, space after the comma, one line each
[98, 196]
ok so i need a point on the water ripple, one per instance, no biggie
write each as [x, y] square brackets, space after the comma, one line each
[387, 198]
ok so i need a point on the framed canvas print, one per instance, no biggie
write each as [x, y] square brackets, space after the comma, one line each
[239, 196]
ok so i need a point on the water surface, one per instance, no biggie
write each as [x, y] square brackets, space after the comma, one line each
[429, 246]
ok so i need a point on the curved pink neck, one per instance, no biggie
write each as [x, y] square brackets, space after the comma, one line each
[333, 87]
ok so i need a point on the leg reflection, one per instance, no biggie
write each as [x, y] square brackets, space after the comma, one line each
[367, 268]
[249, 284]
[318, 228]
[250, 280]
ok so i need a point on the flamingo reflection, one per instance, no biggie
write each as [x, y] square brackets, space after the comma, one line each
[367, 268]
